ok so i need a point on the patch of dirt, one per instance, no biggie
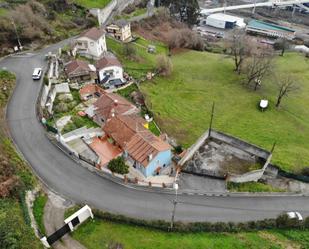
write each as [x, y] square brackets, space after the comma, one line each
[275, 240]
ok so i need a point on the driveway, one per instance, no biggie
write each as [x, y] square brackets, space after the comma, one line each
[66, 177]
[202, 184]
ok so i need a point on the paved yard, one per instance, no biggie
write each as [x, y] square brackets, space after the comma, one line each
[190, 182]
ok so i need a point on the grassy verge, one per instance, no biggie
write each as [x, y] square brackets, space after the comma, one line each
[182, 105]
[15, 230]
[253, 187]
[92, 3]
[104, 234]
[38, 211]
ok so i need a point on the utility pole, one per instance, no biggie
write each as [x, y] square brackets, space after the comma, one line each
[273, 148]
[211, 118]
[253, 11]
[174, 206]
[18, 40]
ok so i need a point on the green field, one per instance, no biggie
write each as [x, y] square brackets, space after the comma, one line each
[144, 61]
[100, 234]
[182, 104]
[92, 3]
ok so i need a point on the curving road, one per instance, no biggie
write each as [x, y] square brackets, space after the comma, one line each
[67, 178]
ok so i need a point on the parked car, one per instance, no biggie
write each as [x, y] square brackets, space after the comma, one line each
[295, 215]
[37, 73]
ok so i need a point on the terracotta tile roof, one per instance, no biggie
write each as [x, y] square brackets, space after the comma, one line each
[107, 61]
[129, 132]
[77, 67]
[110, 103]
[93, 33]
[104, 150]
[91, 89]
[123, 128]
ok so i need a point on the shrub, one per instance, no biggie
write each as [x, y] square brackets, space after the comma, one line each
[305, 171]
[129, 50]
[164, 65]
[119, 166]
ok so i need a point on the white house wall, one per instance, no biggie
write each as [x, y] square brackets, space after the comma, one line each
[118, 72]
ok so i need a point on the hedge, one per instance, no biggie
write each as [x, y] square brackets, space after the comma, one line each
[282, 222]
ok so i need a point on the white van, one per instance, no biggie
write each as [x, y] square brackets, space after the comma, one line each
[37, 73]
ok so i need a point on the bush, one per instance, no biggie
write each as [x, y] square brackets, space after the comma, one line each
[129, 50]
[164, 65]
[305, 171]
[119, 166]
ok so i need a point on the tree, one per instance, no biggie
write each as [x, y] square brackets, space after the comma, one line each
[239, 48]
[164, 65]
[118, 165]
[286, 86]
[187, 10]
[281, 44]
[129, 50]
[257, 67]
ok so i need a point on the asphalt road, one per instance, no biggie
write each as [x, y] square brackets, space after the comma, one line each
[67, 178]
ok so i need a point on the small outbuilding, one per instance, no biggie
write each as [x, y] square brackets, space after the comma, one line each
[224, 21]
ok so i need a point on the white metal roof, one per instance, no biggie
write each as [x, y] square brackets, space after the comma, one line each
[225, 17]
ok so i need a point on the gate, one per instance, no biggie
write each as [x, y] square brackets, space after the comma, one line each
[58, 234]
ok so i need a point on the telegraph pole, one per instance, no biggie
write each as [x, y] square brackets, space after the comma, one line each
[174, 207]
[211, 118]
[18, 40]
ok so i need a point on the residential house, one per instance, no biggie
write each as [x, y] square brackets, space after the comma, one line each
[120, 29]
[109, 105]
[91, 43]
[143, 150]
[90, 91]
[80, 71]
[110, 72]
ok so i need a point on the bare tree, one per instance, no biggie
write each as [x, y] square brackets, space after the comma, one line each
[286, 86]
[257, 67]
[239, 49]
[281, 44]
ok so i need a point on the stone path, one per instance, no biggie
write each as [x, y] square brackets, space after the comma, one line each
[54, 219]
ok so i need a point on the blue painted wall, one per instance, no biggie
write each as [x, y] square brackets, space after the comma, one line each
[164, 157]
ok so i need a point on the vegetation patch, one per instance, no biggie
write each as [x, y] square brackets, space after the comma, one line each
[182, 105]
[251, 187]
[38, 211]
[89, 4]
[15, 178]
[105, 234]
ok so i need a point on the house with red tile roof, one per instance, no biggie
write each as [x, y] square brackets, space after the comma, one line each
[91, 43]
[146, 152]
[109, 105]
[80, 71]
[110, 72]
[90, 91]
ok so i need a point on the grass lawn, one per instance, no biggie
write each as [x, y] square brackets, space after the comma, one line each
[144, 61]
[182, 104]
[103, 234]
[38, 211]
[92, 3]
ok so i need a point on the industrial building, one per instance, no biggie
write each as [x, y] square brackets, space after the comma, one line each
[223, 21]
[269, 29]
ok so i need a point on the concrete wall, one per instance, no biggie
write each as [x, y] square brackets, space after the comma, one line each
[190, 152]
[238, 143]
[245, 146]
[252, 176]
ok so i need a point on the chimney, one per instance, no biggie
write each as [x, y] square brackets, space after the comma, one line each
[115, 102]
[150, 157]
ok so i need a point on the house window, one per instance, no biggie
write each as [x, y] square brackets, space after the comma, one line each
[91, 43]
